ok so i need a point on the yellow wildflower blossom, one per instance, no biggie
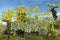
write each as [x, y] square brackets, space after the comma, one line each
[43, 13]
[8, 19]
[35, 8]
[21, 9]
[49, 15]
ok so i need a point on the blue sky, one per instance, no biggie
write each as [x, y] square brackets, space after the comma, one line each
[5, 4]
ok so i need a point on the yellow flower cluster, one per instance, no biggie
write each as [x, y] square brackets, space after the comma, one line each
[35, 8]
[21, 12]
[7, 16]
[21, 9]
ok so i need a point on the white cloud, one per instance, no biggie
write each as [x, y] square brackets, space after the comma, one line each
[58, 14]
[3, 22]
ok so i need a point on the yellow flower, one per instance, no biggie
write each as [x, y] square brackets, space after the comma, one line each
[43, 13]
[49, 15]
[35, 8]
[8, 19]
[21, 9]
